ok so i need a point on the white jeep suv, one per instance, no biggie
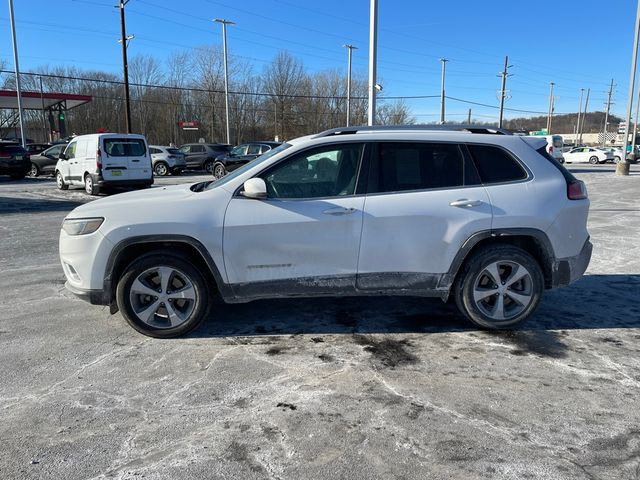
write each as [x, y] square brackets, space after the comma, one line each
[478, 214]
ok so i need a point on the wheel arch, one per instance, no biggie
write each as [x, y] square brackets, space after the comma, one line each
[533, 241]
[133, 248]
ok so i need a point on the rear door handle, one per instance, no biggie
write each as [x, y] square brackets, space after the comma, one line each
[339, 211]
[463, 202]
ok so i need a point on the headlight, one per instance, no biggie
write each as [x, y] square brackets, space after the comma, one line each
[81, 226]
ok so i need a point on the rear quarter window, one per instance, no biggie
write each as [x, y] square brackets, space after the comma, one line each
[124, 147]
[495, 165]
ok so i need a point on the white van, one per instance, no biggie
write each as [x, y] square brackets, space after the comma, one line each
[105, 159]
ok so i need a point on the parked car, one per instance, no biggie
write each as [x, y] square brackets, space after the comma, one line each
[615, 152]
[45, 162]
[555, 144]
[240, 155]
[105, 160]
[587, 155]
[14, 160]
[201, 156]
[36, 148]
[166, 160]
[351, 211]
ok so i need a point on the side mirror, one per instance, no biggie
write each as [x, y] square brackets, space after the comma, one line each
[254, 188]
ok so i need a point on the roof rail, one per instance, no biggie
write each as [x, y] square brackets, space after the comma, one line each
[386, 128]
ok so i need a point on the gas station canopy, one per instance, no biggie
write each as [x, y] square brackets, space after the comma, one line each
[36, 100]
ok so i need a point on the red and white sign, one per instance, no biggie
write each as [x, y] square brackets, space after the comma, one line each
[193, 125]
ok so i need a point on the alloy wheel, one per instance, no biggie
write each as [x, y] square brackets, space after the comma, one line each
[503, 290]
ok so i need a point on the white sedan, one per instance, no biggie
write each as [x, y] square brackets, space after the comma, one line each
[587, 155]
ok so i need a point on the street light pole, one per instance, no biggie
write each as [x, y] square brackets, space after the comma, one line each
[226, 72]
[373, 46]
[578, 121]
[606, 115]
[551, 84]
[125, 67]
[350, 48]
[17, 69]
[622, 168]
[444, 62]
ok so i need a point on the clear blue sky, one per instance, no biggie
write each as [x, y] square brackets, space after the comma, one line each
[574, 43]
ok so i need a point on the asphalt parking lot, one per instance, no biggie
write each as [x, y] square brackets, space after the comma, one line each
[349, 388]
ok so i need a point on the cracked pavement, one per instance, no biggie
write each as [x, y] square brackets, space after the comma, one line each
[326, 388]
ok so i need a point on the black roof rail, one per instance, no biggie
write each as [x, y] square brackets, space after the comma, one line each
[486, 129]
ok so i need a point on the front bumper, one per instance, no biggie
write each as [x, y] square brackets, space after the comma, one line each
[568, 270]
[94, 297]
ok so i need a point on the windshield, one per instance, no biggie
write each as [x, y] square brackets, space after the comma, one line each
[557, 141]
[244, 168]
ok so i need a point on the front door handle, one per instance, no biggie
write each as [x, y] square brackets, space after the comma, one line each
[463, 202]
[339, 211]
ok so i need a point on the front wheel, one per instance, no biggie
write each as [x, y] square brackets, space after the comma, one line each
[499, 287]
[616, 159]
[60, 182]
[593, 160]
[163, 295]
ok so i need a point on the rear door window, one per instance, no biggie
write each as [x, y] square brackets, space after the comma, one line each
[124, 147]
[253, 149]
[406, 166]
[495, 165]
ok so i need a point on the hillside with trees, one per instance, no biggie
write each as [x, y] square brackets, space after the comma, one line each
[593, 123]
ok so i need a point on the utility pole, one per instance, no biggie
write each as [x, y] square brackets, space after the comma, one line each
[503, 92]
[226, 72]
[606, 115]
[350, 48]
[469, 117]
[622, 168]
[125, 66]
[373, 46]
[578, 121]
[584, 114]
[442, 120]
[17, 69]
[551, 84]
[45, 136]
[635, 126]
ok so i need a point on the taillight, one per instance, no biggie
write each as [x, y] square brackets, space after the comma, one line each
[576, 190]
[550, 149]
[5, 155]
[99, 159]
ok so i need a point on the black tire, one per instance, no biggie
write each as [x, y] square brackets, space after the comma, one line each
[593, 160]
[35, 171]
[219, 170]
[472, 280]
[60, 182]
[159, 323]
[90, 187]
[161, 169]
[18, 176]
[616, 159]
[208, 166]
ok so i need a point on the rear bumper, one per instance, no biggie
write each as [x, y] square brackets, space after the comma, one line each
[101, 182]
[7, 169]
[568, 270]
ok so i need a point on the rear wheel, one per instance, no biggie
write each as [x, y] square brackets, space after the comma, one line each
[163, 295]
[499, 287]
[208, 166]
[90, 187]
[593, 160]
[219, 171]
[35, 171]
[60, 182]
[161, 169]
[616, 159]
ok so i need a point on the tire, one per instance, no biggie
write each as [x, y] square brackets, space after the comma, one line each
[475, 286]
[60, 182]
[89, 186]
[35, 171]
[593, 160]
[163, 314]
[161, 169]
[616, 159]
[208, 166]
[18, 176]
[219, 171]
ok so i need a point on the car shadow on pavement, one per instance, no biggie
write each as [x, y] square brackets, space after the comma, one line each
[594, 302]
[14, 205]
